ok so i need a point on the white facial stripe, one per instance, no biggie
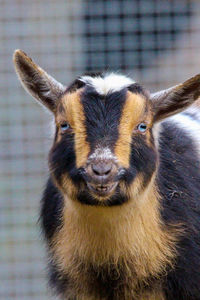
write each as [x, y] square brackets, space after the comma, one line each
[110, 82]
[102, 154]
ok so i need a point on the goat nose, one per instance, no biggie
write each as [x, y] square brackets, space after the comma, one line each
[102, 169]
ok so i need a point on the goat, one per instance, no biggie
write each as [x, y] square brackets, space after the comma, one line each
[121, 209]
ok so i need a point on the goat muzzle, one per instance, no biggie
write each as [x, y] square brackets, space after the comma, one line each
[101, 177]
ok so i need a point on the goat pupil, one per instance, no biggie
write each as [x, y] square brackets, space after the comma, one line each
[64, 126]
[142, 127]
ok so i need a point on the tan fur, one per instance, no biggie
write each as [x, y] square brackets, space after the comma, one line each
[75, 116]
[156, 294]
[133, 113]
[131, 234]
[71, 111]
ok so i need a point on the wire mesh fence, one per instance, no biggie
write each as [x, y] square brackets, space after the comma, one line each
[156, 42]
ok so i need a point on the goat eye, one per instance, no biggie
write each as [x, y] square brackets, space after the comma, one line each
[64, 127]
[142, 127]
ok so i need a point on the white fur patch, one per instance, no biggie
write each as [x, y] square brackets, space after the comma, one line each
[103, 154]
[156, 133]
[109, 83]
[189, 124]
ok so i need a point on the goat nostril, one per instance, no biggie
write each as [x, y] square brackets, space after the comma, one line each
[107, 172]
[95, 171]
[101, 169]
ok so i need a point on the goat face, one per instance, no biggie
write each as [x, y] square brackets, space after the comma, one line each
[104, 144]
[103, 152]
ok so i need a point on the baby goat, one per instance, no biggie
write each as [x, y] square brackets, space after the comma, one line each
[121, 209]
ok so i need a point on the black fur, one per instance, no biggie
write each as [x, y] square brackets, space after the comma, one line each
[179, 185]
[102, 116]
[142, 160]
[51, 210]
[62, 159]
[57, 280]
[75, 85]
[138, 89]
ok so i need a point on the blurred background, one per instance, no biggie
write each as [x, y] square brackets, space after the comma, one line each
[157, 42]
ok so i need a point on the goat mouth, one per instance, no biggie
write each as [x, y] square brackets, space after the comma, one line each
[102, 190]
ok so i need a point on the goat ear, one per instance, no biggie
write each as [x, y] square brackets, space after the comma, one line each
[36, 81]
[174, 100]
